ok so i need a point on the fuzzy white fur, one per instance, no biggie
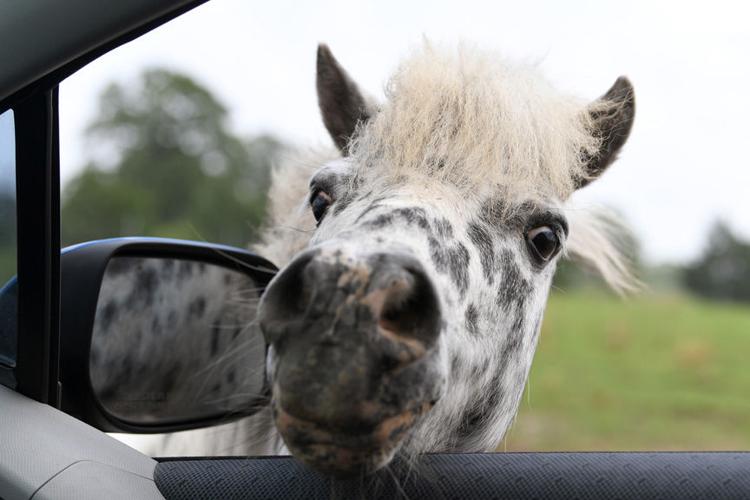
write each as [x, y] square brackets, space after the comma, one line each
[473, 119]
[460, 127]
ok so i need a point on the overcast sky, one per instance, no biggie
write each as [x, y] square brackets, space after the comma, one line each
[683, 167]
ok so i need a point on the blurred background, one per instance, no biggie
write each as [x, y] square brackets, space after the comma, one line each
[175, 134]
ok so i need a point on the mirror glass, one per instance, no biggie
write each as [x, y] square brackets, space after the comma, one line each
[175, 340]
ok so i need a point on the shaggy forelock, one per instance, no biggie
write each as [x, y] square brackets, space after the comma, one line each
[471, 118]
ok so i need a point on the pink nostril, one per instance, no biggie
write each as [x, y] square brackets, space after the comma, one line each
[409, 306]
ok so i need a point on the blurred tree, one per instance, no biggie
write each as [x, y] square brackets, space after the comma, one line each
[723, 271]
[167, 164]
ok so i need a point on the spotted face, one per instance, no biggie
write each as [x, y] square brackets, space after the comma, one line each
[409, 322]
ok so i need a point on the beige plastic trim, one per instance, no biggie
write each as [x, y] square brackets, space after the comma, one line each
[45, 453]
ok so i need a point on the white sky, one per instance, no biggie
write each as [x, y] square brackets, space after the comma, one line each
[683, 167]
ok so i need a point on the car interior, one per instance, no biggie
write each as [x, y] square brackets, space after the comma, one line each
[55, 415]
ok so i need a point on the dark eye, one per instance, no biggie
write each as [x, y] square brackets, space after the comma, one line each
[319, 202]
[543, 242]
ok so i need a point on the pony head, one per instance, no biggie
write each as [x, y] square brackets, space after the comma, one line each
[406, 318]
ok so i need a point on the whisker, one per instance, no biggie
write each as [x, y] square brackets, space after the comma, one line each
[232, 258]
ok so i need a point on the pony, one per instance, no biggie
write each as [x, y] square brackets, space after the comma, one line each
[416, 258]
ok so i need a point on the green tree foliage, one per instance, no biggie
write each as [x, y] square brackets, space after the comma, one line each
[723, 271]
[173, 167]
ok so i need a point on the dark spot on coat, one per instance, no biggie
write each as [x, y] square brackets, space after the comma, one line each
[167, 267]
[146, 283]
[474, 416]
[511, 346]
[513, 289]
[472, 319]
[197, 307]
[407, 215]
[444, 228]
[482, 240]
[439, 254]
[185, 269]
[479, 413]
[120, 265]
[458, 262]
[215, 331]
[453, 260]
[380, 221]
[519, 322]
[479, 369]
[109, 312]
[413, 215]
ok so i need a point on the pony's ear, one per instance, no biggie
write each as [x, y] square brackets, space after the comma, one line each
[341, 103]
[612, 118]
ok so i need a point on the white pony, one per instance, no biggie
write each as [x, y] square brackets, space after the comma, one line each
[416, 260]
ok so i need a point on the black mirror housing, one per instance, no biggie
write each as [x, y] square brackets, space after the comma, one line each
[82, 269]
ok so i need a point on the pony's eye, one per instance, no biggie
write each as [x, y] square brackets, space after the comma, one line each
[543, 242]
[319, 202]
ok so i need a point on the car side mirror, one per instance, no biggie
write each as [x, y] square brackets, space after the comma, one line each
[159, 335]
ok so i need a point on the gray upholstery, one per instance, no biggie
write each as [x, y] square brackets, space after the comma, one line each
[44, 449]
[97, 481]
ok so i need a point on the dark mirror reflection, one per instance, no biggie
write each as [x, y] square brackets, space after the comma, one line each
[175, 340]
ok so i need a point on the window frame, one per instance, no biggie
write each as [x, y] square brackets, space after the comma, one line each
[38, 247]
[35, 109]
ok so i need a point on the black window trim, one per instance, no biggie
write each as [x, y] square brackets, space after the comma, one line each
[38, 246]
[35, 109]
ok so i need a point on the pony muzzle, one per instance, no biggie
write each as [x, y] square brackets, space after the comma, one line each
[355, 363]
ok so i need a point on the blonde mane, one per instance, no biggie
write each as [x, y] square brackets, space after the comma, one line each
[473, 119]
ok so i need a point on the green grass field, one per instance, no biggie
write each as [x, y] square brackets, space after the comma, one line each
[646, 373]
